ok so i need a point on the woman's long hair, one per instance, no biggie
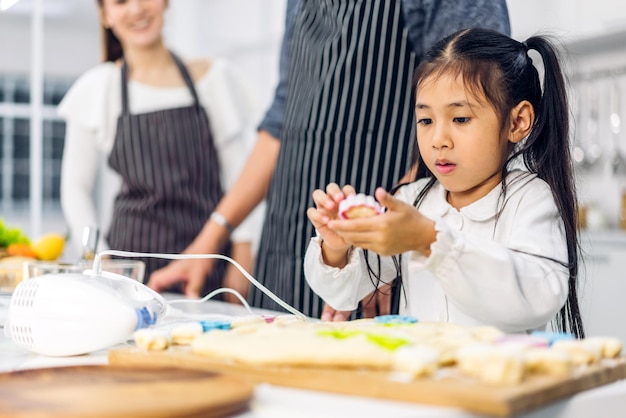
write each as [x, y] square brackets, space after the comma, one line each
[111, 46]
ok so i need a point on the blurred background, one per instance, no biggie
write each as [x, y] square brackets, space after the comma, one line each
[57, 40]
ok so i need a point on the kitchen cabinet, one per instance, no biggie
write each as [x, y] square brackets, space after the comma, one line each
[596, 69]
[602, 289]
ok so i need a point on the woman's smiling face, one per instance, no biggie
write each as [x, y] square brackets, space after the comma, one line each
[460, 138]
[136, 23]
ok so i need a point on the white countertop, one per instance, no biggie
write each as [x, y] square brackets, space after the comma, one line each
[277, 402]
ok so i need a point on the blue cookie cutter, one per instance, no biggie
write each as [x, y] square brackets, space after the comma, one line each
[395, 319]
[553, 336]
[211, 324]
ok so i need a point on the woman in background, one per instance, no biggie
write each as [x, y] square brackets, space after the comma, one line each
[175, 133]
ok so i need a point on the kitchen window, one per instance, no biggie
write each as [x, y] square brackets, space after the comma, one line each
[15, 148]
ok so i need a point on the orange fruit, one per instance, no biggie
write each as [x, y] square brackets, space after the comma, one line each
[24, 250]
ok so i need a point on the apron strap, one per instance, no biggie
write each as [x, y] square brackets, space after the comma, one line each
[124, 88]
[183, 72]
[186, 77]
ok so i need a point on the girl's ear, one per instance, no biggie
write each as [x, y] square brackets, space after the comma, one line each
[522, 120]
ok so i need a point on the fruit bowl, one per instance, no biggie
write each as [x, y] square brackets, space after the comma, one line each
[12, 272]
[134, 269]
[15, 269]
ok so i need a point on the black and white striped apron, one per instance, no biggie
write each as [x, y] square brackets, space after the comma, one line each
[349, 120]
[171, 178]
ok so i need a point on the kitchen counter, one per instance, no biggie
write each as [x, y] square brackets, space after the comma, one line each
[277, 402]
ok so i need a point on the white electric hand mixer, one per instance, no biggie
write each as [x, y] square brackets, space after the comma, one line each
[67, 314]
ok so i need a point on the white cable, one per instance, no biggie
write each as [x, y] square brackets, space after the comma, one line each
[97, 270]
[175, 315]
[215, 293]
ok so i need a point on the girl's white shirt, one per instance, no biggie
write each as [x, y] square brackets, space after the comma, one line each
[91, 108]
[484, 268]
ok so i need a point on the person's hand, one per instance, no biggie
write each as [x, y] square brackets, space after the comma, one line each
[400, 228]
[190, 273]
[377, 303]
[326, 209]
[374, 304]
[330, 314]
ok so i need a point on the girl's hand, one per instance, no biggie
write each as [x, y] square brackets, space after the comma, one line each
[335, 249]
[327, 209]
[401, 228]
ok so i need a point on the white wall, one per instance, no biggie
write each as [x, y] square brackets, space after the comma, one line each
[246, 31]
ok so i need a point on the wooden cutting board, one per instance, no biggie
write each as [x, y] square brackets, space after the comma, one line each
[447, 389]
[121, 392]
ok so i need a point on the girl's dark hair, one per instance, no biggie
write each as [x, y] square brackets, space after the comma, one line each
[111, 46]
[499, 67]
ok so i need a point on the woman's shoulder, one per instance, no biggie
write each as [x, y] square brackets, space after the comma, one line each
[215, 70]
[228, 97]
[95, 76]
[92, 83]
[199, 68]
[87, 99]
[203, 70]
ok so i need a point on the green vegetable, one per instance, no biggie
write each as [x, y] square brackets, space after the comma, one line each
[10, 236]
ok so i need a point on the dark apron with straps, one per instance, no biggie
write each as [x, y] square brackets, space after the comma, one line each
[171, 179]
[349, 119]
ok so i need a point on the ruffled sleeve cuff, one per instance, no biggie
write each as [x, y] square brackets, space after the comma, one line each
[337, 286]
[447, 246]
[353, 259]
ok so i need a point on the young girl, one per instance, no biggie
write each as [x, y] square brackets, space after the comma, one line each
[493, 239]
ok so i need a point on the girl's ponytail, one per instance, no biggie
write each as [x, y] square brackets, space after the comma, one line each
[548, 152]
[551, 126]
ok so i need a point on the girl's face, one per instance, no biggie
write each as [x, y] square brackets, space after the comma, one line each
[459, 138]
[136, 23]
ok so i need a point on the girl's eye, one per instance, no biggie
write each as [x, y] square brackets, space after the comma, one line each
[424, 121]
[461, 120]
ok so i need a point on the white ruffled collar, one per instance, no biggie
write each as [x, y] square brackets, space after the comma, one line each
[484, 208]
